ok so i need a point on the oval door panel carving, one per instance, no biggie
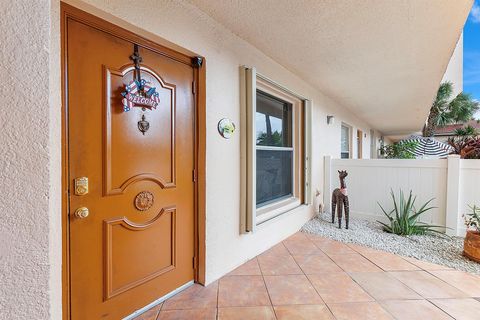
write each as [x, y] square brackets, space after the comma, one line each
[144, 200]
[128, 151]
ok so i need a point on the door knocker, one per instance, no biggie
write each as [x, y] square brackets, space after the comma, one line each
[143, 125]
[140, 93]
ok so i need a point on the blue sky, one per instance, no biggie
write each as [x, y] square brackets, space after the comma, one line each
[471, 52]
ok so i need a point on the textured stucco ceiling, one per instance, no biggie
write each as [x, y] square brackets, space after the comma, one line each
[382, 59]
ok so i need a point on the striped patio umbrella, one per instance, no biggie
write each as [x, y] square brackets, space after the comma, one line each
[428, 147]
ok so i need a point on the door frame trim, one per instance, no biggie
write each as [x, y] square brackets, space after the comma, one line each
[178, 54]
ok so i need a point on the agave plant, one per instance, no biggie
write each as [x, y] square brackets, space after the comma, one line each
[404, 217]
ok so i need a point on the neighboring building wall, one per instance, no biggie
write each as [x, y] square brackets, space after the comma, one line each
[448, 131]
[454, 72]
[30, 262]
[376, 139]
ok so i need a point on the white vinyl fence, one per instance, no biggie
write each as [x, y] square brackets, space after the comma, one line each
[454, 184]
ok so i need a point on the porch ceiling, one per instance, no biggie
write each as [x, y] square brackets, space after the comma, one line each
[383, 60]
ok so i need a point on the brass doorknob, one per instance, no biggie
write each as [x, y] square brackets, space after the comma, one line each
[82, 213]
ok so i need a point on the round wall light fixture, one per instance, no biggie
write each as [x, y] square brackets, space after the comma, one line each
[226, 128]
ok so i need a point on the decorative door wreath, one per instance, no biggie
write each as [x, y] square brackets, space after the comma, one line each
[140, 93]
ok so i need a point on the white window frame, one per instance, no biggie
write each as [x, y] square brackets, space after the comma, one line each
[360, 143]
[251, 216]
[350, 138]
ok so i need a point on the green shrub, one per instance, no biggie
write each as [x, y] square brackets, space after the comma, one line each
[467, 131]
[399, 150]
[404, 217]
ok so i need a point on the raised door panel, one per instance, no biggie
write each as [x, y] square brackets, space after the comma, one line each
[129, 156]
[126, 246]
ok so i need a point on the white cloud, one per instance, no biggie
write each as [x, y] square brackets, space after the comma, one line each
[475, 13]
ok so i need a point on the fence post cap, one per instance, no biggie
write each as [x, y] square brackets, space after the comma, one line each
[454, 156]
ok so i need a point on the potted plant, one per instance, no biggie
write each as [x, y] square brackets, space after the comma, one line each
[471, 245]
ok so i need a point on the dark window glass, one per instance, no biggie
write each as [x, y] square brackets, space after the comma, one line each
[273, 121]
[274, 175]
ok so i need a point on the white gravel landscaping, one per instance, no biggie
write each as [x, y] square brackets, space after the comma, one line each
[435, 249]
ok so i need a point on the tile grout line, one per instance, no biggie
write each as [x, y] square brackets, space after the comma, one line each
[264, 283]
[433, 304]
[425, 298]
[314, 288]
[330, 258]
[218, 293]
[433, 275]
[326, 254]
[441, 280]
[382, 269]
[374, 300]
[380, 252]
[266, 287]
[159, 310]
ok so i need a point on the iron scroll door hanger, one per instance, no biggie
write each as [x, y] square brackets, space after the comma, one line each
[143, 125]
[136, 58]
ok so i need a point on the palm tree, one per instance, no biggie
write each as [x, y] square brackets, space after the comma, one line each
[446, 110]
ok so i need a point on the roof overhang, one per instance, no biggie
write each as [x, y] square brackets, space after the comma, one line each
[382, 60]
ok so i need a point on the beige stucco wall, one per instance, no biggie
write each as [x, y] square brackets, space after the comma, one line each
[30, 228]
[454, 72]
[30, 246]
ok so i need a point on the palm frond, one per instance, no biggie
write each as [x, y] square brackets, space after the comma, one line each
[462, 108]
[445, 110]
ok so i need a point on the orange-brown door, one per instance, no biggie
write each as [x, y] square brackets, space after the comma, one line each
[137, 242]
[359, 144]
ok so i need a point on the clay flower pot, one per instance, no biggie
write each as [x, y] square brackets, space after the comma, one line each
[471, 246]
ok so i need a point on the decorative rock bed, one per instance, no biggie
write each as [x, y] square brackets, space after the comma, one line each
[441, 250]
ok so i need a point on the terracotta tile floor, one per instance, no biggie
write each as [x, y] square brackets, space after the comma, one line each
[310, 277]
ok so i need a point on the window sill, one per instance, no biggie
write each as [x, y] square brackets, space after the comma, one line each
[275, 209]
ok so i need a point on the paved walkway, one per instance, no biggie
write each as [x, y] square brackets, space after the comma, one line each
[310, 277]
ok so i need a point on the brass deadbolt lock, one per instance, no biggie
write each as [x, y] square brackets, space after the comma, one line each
[81, 186]
[82, 213]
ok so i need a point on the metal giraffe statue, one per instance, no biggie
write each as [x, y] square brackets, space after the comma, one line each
[340, 200]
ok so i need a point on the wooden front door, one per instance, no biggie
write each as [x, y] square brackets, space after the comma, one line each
[359, 144]
[137, 242]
